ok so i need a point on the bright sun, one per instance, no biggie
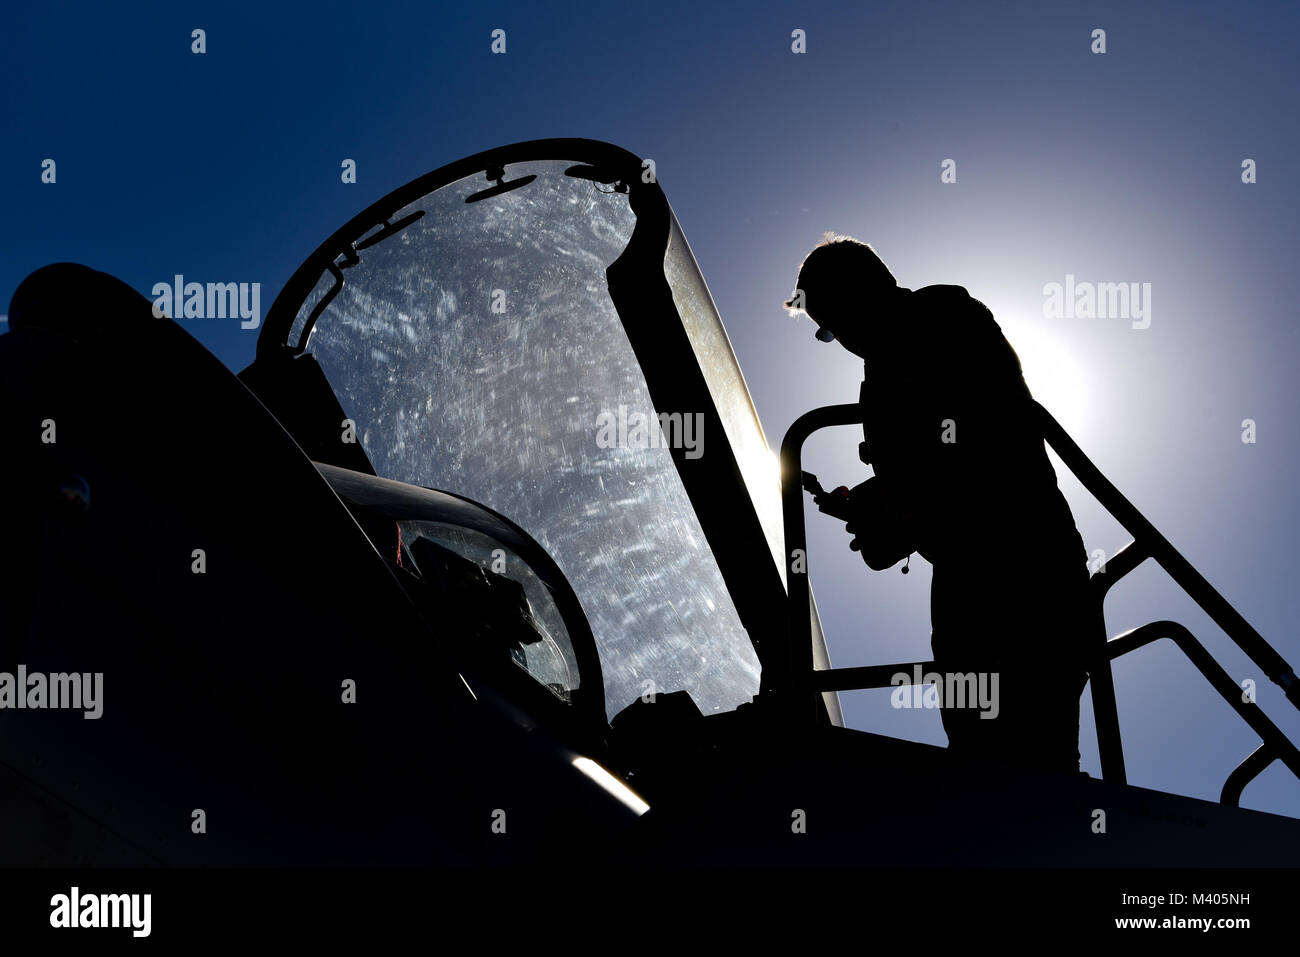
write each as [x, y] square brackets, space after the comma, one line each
[1055, 377]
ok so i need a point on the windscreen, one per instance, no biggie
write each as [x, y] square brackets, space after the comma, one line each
[476, 350]
[760, 466]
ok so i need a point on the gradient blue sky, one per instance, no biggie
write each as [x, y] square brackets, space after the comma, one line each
[1123, 167]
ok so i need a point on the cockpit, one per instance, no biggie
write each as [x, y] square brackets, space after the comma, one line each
[529, 330]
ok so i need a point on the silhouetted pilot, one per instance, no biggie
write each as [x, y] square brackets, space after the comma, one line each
[962, 477]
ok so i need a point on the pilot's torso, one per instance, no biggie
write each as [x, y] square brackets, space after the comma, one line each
[950, 425]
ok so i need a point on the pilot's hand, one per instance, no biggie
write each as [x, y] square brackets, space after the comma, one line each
[836, 503]
[880, 524]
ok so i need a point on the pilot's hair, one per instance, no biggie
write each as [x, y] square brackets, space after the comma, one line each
[839, 268]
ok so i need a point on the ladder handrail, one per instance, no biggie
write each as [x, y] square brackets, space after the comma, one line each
[794, 686]
[1150, 543]
[1244, 773]
[790, 688]
[1276, 743]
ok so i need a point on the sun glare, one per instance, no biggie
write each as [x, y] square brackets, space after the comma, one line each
[1057, 378]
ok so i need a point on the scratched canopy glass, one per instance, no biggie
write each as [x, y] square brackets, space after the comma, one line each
[477, 350]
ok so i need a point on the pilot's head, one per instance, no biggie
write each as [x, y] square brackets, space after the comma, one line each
[842, 286]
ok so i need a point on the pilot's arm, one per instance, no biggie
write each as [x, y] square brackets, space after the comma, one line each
[926, 402]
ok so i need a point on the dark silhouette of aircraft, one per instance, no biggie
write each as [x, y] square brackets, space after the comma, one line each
[384, 597]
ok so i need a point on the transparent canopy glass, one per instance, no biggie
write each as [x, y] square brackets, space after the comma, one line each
[550, 658]
[477, 351]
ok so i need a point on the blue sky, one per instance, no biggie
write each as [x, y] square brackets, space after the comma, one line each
[1122, 167]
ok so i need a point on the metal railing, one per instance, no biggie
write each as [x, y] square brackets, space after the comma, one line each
[795, 689]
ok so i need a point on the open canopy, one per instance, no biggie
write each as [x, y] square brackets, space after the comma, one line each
[469, 328]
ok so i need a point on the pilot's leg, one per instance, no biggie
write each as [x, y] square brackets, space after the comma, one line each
[1026, 682]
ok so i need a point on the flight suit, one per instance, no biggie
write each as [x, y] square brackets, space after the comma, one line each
[953, 439]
